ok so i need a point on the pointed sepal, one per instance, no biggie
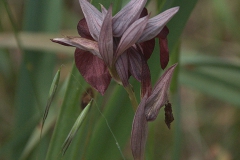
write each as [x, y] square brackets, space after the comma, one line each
[126, 16]
[156, 24]
[93, 17]
[158, 97]
[93, 69]
[105, 42]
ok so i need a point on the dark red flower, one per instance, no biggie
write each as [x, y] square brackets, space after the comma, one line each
[117, 46]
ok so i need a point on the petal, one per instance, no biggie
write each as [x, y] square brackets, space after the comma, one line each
[126, 16]
[81, 43]
[93, 70]
[139, 131]
[148, 47]
[122, 69]
[156, 24]
[135, 63]
[105, 42]
[158, 96]
[131, 35]
[164, 32]
[163, 43]
[83, 30]
[164, 53]
[146, 87]
[94, 18]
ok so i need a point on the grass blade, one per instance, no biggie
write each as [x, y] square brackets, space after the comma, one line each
[51, 95]
[75, 127]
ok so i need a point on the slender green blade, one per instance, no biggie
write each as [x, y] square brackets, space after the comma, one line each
[76, 127]
[51, 95]
[213, 76]
[69, 112]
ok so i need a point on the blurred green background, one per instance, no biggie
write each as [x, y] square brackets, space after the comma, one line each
[205, 94]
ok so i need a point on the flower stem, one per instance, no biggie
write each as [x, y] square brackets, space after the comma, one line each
[132, 96]
[128, 88]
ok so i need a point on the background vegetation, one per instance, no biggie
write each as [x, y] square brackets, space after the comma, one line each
[204, 38]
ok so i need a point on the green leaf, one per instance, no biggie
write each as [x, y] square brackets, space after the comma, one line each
[36, 69]
[213, 76]
[68, 113]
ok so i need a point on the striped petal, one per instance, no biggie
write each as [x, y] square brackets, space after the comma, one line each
[105, 42]
[158, 97]
[122, 69]
[126, 16]
[131, 35]
[93, 17]
[156, 24]
[81, 43]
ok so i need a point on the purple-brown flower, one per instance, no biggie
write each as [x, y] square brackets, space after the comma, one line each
[117, 46]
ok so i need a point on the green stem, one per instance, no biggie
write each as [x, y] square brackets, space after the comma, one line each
[14, 25]
[132, 96]
[128, 88]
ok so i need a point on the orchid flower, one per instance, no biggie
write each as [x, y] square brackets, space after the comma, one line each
[116, 47]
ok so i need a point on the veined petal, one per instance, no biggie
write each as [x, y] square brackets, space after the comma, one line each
[93, 69]
[146, 87]
[83, 30]
[126, 16]
[81, 43]
[139, 131]
[105, 42]
[156, 24]
[131, 35]
[135, 63]
[158, 96]
[122, 69]
[94, 18]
